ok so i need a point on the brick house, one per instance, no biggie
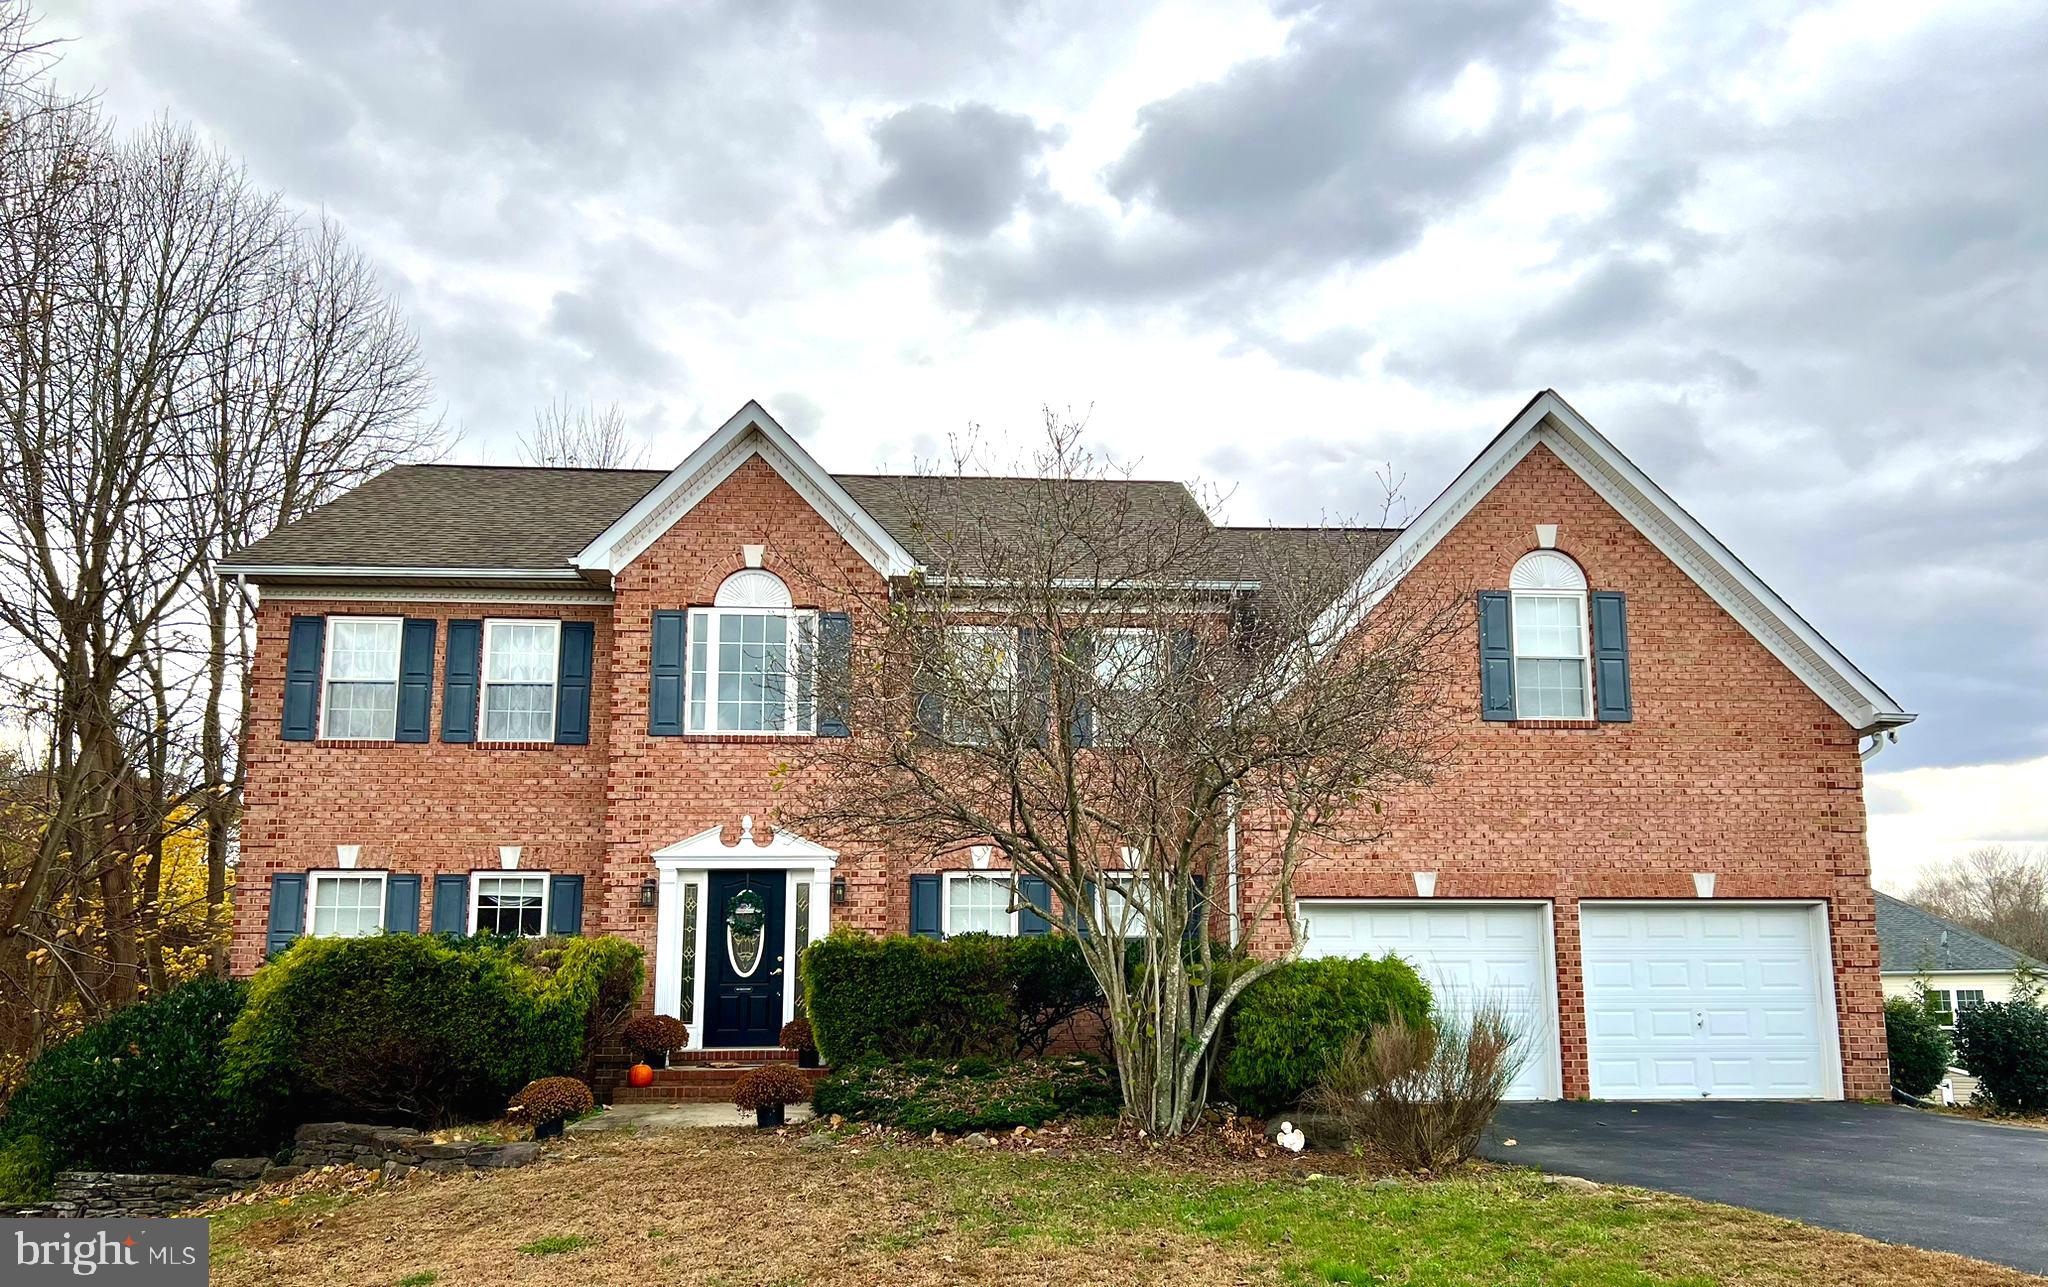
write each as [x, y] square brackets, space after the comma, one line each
[496, 698]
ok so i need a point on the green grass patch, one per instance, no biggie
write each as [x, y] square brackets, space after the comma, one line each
[554, 1245]
[425, 1278]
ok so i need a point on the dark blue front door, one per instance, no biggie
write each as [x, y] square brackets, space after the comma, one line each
[743, 982]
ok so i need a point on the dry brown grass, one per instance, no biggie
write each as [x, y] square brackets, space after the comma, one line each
[733, 1207]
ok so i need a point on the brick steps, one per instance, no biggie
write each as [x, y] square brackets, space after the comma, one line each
[708, 1077]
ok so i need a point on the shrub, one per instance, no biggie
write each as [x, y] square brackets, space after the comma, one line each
[797, 1036]
[549, 1100]
[26, 1170]
[902, 997]
[141, 1090]
[769, 1085]
[1918, 1047]
[969, 1094]
[1290, 1023]
[649, 1035]
[2004, 1044]
[422, 1029]
[1422, 1092]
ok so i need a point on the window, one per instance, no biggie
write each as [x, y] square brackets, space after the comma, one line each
[1552, 675]
[345, 904]
[520, 665]
[750, 659]
[1127, 662]
[1123, 897]
[509, 904]
[984, 662]
[1945, 1005]
[978, 903]
[361, 698]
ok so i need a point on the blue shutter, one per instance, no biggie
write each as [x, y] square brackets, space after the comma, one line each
[461, 678]
[1081, 720]
[1198, 910]
[416, 680]
[565, 905]
[931, 716]
[1035, 916]
[1610, 656]
[1181, 650]
[287, 909]
[1034, 679]
[401, 904]
[665, 684]
[572, 684]
[924, 906]
[1496, 655]
[451, 904]
[302, 678]
[835, 673]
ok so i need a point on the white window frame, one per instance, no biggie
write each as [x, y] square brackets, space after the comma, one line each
[483, 687]
[957, 732]
[327, 674]
[1134, 927]
[313, 881]
[476, 893]
[802, 635]
[1952, 1004]
[1005, 879]
[1105, 733]
[1538, 566]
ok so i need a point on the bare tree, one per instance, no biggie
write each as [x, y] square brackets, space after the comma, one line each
[1999, 891]
[582, 437]
[1092, 678]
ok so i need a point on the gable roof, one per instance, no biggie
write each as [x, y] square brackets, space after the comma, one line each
[1910, 941]
[1550, 421]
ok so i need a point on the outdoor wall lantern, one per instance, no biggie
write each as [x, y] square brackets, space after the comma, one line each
[647, 892]
[839, 891]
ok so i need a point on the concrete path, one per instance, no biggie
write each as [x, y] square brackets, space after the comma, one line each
[647, 1118]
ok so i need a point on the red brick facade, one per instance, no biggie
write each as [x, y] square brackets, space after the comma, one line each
[1731, 764]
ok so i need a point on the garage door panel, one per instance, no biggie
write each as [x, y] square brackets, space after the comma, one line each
[1468, 953]
[1724, 1001]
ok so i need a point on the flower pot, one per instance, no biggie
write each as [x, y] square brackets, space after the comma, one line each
[769, 1116]
[551, 1130]
[658, 1059]
[807, 1059]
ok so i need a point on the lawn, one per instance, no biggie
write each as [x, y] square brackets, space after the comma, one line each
[734, 1207]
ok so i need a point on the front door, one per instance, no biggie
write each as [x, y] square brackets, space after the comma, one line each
[743, 984]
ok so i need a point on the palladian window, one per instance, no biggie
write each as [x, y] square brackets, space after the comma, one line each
[1552, 679]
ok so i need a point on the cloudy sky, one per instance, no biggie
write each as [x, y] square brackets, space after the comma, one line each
[1793, 259]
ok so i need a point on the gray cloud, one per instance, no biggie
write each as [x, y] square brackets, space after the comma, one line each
[961, 171]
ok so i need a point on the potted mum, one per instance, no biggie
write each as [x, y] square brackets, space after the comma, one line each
[796, 1035]
[769, 1090]
[650, 1037]
[549, 1104]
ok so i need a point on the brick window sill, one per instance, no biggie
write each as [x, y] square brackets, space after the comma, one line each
[750, 739]
[366, 743]
[1557, 723]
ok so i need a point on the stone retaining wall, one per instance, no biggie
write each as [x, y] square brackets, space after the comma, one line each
[396, 1150]
[114, 1193]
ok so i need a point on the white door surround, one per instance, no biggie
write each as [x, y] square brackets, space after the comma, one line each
[1467, 950]
[1692, 999]
[687, 863]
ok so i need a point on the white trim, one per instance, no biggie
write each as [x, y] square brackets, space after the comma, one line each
[800, 640]
[1549, 420]
[946, 882]
[477, 878]
[691, 861]
[1554, 1069]
[313, 879]
[1585, 655]
[352, 571]
[327, 673]
[750, 432]
[1830, 1019]
[483, 685]
[415, 594]
[753, 586]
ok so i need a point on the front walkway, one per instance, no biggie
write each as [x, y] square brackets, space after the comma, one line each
[643, 1119]
[1897, 1174]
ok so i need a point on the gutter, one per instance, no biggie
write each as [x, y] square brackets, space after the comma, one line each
[1230, 863]
[330, 572]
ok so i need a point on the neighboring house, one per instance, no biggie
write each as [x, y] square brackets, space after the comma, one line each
[482, 698]
[1959, 967]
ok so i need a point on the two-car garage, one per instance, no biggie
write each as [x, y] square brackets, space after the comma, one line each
[1682, 999]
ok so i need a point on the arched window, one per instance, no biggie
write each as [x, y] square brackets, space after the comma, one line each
[1551, 660]
[750, 659]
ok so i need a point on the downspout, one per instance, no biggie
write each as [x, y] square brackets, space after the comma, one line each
[1877, 741]
[1230, 863]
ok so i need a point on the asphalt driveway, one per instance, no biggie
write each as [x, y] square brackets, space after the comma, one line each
[1898, 1174]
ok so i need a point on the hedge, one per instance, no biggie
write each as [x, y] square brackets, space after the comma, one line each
[423, 1029]
[140, 1090]
[1288, 1024]
[2004, 1044]
[970, 1094]
[1919, 1049]
[903, 997]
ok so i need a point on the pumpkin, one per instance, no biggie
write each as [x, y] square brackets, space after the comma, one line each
[640, 1075]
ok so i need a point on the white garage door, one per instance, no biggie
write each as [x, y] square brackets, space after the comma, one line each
[1697, 1001]
[1466, 951]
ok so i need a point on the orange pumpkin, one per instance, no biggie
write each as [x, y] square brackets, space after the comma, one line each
[640, 1075]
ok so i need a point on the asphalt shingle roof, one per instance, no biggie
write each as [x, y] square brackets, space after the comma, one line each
[1910, 940]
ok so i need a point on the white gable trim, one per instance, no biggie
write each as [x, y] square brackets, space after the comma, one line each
[707, 850]
[750, 432]
[1550, 420]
